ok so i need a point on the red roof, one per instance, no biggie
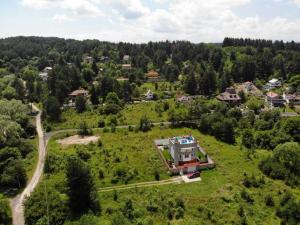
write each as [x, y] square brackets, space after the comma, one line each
[79, 92]
[272, 94]
[152, 74]
[189, 164]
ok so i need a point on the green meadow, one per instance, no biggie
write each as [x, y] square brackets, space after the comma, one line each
[127, 157]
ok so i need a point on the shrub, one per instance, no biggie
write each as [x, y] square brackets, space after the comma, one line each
[84, 129]
[246, 196]
[80, 104]
[156, 175]
[145, 124]
[101, 123]
[269, 201]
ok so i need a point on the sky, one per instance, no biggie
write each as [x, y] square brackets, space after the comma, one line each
[152, 20]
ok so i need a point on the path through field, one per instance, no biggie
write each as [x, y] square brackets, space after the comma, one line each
[175, 180]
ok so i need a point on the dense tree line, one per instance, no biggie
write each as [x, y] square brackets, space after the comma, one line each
[15, 128]
[201, 68]
[261, 43]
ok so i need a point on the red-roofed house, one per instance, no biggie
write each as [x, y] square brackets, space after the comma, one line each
[274, 99]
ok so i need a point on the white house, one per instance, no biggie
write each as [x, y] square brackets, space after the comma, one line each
[149, 95]
[183, 149]
[88, 59]
[45, 72]
[273, 83]
[291, 98]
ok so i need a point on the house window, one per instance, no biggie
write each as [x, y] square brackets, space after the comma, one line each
[186, 155]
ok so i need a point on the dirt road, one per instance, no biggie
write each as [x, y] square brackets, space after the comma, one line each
[17, 202]
[175, 180]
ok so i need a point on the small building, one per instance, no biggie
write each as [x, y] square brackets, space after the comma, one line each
[291, 98]
[126, 58]
[229, 96]
[104, 58]
[273, 83]
[76, 93]
[274, 100]
[120, 79]
[88, 59]
[152, 75]
[45, 72]
[149, 95]
[126, 66]
[183, 98]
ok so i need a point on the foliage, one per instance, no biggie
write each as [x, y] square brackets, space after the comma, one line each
[289, 209]
[80, 104]
[45, 204]
[84, 130]
[145, 124]
[284, 164]
[5, 213]
[52, 108]
[82, 193]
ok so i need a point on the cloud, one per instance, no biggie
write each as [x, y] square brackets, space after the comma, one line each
[79, 7]
[297, 2]
[194, 20]
[62, 18]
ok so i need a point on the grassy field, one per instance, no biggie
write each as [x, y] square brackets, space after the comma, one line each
[214, 200]
[130, 115]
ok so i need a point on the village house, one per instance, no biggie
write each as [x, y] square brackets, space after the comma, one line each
[229, 96]
[126, 58]
[152, 75]
[273, 83]
[120, 79]
[183, 149]
[274, 100]
[185, 154]
[126, 66]
[88, 59]
[183, 98]
[291, 98]
[76, 93]
[44, 73]
[149, 95]
[104, 58]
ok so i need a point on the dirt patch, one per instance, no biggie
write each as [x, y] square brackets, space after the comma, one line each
[78, 140]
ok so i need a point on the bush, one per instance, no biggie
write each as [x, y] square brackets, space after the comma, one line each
[5, 214]
[101, 123]
[284, 164]
[289, 209]
[84, 129]
[145, 124]
[156, 175]
[246, 196]
[80, 104]
[38, 213]
[269, 201]
[83, 154]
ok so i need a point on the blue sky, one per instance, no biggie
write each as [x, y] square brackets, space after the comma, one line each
[152, 20]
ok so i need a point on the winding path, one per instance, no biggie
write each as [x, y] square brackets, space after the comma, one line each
[17, 202]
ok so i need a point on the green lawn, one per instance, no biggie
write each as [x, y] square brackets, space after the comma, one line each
[214, 200]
